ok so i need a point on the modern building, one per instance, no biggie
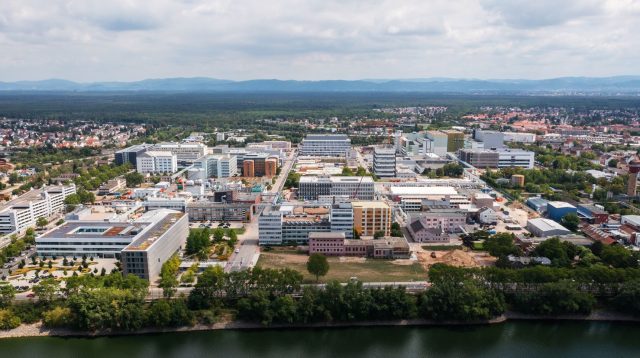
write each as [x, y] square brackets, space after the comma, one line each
[541, 227]
[370, 217]
[156, 162]
[436, 143]
[162, 202]
[248, 169]
[130, 154]
[23, 212]
[255, 164]
[311, 187]
[384, 162]
[519, 137]
[204, 210]
[455, 140]
[292, 225]
[143, 245]
[218, 165]
[556, 210]
[499, 158]
[186, 153]
[489, 139]
[166, 235]
[341, 218]
[112, 186]
[325, 145]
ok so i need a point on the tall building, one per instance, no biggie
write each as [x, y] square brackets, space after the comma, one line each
[436, 143]
[325, 145]
[270, 167]
[218, 165]
[455, 140]
[23, 212]
[489, 139]
[634, 169]
[248, 168]
[370, 217]
[156, 162]
[342, 219]
[311, 187]
[129, 155]
[384, 162]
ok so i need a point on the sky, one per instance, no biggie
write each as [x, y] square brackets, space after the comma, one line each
[128, 40]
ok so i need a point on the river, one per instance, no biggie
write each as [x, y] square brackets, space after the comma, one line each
[512, 339]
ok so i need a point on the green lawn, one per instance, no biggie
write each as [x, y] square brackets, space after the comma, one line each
[368, 271]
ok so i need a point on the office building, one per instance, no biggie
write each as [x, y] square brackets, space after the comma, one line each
[335, 244]
[312, 187]
[156, 162]
[341, 218]
[204, 210]
[218, 165]
[384, 162]
[325, 145]
[186, 153]
[23, 212]
[500, 158]
[166, 236]
[370, 217]
[142, 245]
[519, 137]
[489, 139]
[130, 154]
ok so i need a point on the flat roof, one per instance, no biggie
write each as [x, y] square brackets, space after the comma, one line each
[327, 235]
[73, 230]
[369, 204]
[423, 190]
[560, 204]
[31, 196]
[149, 236]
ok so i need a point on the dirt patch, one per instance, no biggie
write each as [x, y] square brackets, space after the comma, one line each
[458, 258]
[352, 259]
[404, 262]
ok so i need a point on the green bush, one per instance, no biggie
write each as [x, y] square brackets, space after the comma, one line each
[8, 320]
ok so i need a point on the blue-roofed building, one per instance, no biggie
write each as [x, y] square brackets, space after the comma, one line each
[556, 210]
[538, 204]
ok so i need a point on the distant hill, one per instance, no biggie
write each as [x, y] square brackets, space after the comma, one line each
[618, 84]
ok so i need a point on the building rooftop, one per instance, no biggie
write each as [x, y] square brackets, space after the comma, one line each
[546, 224]
[560, 204]
[327, 235]
[30, 196]
[424, 190]
[327, 137]
[370, 204]
[160, 221]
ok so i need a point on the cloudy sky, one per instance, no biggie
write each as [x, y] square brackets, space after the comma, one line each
[104, 40]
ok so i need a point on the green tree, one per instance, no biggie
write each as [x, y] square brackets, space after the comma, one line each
[396, 230]
[555, 298]
[42, 222]
[134, 179]
[318, 265]
[378, 234]
[501, 244]
[628, 299]
[47, 290]
[571, 221]
[7, 294]
[169, 276]
[618, 256]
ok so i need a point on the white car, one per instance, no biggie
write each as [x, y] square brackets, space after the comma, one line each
[237, 251]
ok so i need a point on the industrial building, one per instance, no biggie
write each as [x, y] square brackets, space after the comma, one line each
[556, 210]
[538, 204]
[592, 214]
[541, 227]
[325, 145]
[311, 187]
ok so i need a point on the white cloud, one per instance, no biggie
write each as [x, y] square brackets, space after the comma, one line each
[313, 39]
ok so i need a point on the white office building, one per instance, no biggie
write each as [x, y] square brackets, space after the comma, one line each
[157, 162]
[384, 162]
[436, 143]
[23, 212]
[185, 152]
[218, 165]
[342, 219]
[325, 145]
[313, 187]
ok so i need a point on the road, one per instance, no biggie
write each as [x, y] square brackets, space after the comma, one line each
[284, 172]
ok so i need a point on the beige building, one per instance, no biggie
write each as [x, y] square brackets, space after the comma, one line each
[371, 216]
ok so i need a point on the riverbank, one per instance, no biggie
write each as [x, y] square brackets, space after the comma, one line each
[38, 330]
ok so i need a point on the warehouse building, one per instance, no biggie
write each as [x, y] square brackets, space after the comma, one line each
[546, 228]
[556, 210]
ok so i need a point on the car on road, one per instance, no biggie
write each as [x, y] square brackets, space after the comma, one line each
[237, 251]
[31, 295]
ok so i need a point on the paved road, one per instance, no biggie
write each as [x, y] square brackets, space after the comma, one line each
[249, 251]
[284, 172]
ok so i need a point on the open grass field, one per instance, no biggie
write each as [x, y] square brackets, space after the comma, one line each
[366, 270]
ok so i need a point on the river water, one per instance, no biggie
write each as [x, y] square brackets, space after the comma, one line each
[511, 339]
